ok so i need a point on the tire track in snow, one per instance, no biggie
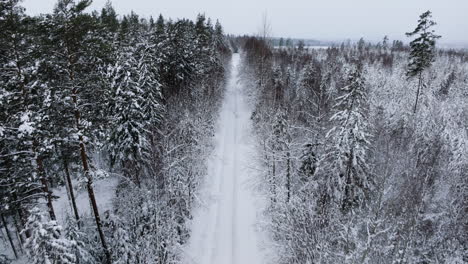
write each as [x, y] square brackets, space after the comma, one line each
[235, 175]
[223, 232]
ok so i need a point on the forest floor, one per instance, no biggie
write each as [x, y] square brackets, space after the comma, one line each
[224, 228]
[104, 190]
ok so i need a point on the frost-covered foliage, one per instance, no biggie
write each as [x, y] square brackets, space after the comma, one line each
[148, 224]
[88, 94]
[350, 181]
[136, 108]
[45, 244]
[85, 249]
[371, 181]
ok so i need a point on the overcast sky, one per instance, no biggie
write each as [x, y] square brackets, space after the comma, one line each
[317, 19]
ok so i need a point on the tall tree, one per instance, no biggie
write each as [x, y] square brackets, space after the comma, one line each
[350, 136]
[136, 109]
[81, 84]
[422, 50]
[280, 145]
[26, 138]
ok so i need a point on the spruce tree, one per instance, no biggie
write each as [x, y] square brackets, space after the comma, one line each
[351, 179]
[281, 150]
[136, 112]
[135, 107]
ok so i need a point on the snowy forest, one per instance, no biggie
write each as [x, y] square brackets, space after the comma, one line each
[364, 149]
[127, 139]
[86, 96]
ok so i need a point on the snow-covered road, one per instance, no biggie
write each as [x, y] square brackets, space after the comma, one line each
[223, 229]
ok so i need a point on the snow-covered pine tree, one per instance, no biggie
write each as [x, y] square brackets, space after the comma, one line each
[81, 244]
[218, 37]
[123, 245]
[350, 177]
[159, 33]
[136, 105]
[108, 18]
[161, 51]
[127, 140]
[205, 47]
[24, 121]
[278, 84]
[306, 81]
[307, 91]
[181, 63]
[308, 163]
[280, 145]
[203, 32]
[152, 105]
[136, 110]
[45, 244]
[422, 50]
[80, 84]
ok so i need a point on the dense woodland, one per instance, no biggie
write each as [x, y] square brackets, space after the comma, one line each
[84, 96]
[364, 149]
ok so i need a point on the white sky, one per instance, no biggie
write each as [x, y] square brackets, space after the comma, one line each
[317, 19]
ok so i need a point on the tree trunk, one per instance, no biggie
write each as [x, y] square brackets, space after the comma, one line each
[89, 177]
[417, 93]
[45, 188]
[92, 198]
[273, 181]
[288, 175]
[137, 172]
[70, 191]
[84, 158]
[22, 218]
[9, 235]
[17, 233]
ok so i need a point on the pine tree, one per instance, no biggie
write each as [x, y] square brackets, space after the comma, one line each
[385, 43]
[308, 163]
[26, 139]
[278, 85]
[123, 245]
[126, 139]
[350, 180]
[108, 17]
[80, 241]
[80, 86]
[422, 50]
[135, 107]
[281, 42]
[136, 111]
[309, 93]
[160, 28]
[218, 33]
[281, 150]
[180, 57]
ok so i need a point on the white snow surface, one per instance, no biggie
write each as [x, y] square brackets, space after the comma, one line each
[104, 191]
[224, 228]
